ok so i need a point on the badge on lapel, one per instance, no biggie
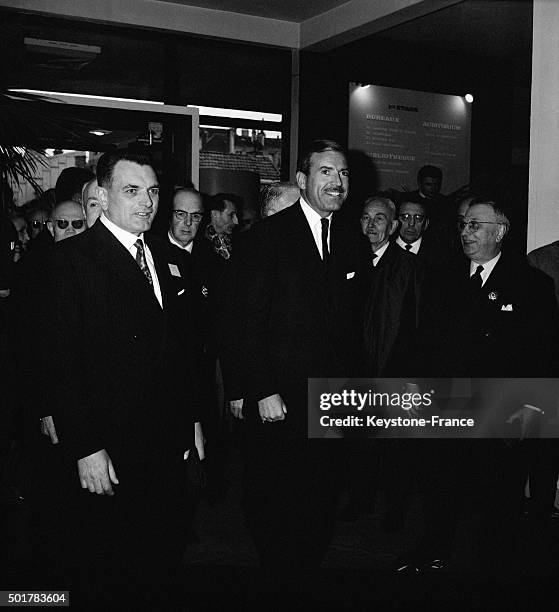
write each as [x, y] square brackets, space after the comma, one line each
[174, 270]
[492, 296]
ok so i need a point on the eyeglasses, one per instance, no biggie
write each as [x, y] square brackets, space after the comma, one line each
[182, 215]
[475, 225]
[63, 223]
[406, 217]
[37, 224]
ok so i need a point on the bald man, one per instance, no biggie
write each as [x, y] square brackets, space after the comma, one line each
[66, 220]
[90, 202]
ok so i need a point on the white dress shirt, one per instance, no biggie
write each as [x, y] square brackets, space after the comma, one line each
[313, 219]
[127, 240]
[414, 245]
[487, 268]
[379, 254]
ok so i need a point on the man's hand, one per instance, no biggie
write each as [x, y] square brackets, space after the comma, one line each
[236, 407]
[199, 440]
[96, 473]
[528, 418]
[272, 408]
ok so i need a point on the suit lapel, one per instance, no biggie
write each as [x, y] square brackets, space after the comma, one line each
[304, 247]
[122, 265]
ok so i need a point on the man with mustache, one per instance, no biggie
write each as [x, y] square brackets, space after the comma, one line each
[298, 287]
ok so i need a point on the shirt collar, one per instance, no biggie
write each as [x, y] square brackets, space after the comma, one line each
[380, 253]
[414, 245]
[172, 240]
[125, 238]
[487, 267]
[313, 218]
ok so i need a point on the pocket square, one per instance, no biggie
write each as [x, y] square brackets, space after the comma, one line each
[350, 275]
[173, 268]
[507, 307]
[180, 292]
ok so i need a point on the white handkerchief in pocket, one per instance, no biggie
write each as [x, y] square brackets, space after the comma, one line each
[350, 275]
[180, 292]
[173, 268]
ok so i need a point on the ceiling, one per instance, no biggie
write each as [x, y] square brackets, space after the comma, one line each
[286, 10]
[500, 29]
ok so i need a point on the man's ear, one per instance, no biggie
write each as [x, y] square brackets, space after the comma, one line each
[50, 227]
[301, 179]
[103, 197]
[393, 227]
[501, 232]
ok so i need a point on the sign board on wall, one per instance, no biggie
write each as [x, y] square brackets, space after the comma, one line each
[402, 130]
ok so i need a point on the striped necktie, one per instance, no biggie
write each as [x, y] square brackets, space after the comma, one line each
[141, 260]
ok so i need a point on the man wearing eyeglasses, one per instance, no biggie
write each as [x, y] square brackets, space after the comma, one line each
[125, 425]
[67, 219]
[502, 324]
[186, 216]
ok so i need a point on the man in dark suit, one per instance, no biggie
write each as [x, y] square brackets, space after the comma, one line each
[123, 413]
[298, 282]
[502, 325]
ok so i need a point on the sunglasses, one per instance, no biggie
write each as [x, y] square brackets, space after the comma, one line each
[63, 223]
[37, 224]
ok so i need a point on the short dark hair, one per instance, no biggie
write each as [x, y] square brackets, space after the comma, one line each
[108, 161]
[70, 182]
[429, 171]
[317, 146]
[414, 199]
[219, 201]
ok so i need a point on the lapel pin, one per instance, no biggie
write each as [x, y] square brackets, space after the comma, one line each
[492, 296]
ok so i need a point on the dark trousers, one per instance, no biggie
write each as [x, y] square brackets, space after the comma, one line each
[99, 545]
[289, 497]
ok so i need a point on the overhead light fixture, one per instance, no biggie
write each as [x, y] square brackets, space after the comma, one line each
[99, 132]
[469, 98]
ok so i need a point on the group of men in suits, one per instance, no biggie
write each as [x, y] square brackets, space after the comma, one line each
[305, 296]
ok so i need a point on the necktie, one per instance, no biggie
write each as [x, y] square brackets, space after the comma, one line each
[475, 278]
[141, 260]
[408, 247]
[325, 252]
[374, 258]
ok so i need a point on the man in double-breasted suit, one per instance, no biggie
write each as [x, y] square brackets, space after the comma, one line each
[120, 391]
[299, 277]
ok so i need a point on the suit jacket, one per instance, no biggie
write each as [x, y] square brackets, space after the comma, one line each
[298, 321]
[122, 365]
[507, 330]
[392, 314]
